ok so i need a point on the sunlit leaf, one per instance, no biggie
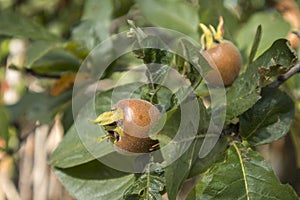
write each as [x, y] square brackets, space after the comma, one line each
[176, 15]
[243, 175]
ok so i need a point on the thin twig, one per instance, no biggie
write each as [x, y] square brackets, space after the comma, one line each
[281, 79]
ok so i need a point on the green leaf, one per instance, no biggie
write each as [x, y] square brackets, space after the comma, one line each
[209, 12]
[80, 143]
[170, 128]
[70, 151]
[154, 53]
[38, 51]
[76, 49]
[15, 25]
[95, 23]
[197, 66]
[278, 59]
[150, 48]
[182, 166]
[95, 11]
[94, 180]
[122, 7]
[243, 94]
[4, 48]
[295, 135]
[43, 109]
[67, 118]
[243, 175]
[4, 124]
[175, 15]
[87, 33]
[255, 44]
[148, 186]
[54, 61]
[217, 154]
[268, 20]
[269, 119]
[45, 57]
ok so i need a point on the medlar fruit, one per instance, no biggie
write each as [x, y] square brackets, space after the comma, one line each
[222, 55]
[129, 124]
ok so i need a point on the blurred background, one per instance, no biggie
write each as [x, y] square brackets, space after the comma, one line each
[42, 44]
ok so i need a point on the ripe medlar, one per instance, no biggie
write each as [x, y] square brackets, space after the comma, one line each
[129, 124]
[222, 55]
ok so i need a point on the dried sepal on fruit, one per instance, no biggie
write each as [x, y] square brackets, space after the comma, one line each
[222, 55]
[129, 124]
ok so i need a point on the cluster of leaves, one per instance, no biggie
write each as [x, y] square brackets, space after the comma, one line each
[232, 169]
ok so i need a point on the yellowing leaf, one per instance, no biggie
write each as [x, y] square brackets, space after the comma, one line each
[66, 81]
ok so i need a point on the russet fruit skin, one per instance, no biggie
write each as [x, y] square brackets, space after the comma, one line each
[139, 117]
[226, 58]
[128, 144]
[222, 55]
[129, 124]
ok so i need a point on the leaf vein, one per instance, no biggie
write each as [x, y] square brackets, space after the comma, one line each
[243, 170]
[259, 124]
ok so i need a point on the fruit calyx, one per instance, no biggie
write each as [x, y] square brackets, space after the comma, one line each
[111, 121]
[211, 37]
